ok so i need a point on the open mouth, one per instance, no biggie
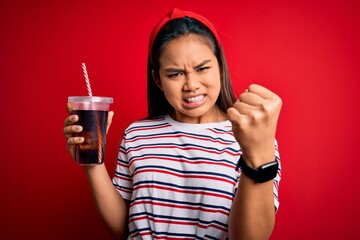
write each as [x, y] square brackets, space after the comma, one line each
[194, 99]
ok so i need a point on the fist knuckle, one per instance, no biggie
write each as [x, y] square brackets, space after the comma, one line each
[253, 116]
[266, 108]
[252, 87]
[242, 95]
[279, 101]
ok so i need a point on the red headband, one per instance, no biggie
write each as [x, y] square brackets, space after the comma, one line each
[177, 13]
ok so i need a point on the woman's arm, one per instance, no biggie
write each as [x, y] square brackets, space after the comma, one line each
[252, 214]
[111, 206]
[254, 120]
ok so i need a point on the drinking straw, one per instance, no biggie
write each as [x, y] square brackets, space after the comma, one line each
[98, 130]
[87, 80]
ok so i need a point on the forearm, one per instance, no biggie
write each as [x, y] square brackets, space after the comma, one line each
[252, 214]
[111, 206]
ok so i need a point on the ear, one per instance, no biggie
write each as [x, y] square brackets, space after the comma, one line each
[156, 79]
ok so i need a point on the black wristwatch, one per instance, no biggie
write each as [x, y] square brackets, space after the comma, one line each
[263, 174]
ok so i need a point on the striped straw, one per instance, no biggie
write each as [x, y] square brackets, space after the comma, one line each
[98, 130]
[88, 86]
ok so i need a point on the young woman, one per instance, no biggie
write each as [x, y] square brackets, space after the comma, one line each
[202, 165]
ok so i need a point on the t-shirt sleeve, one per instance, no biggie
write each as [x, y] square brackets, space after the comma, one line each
[277, 179]
[122, 179]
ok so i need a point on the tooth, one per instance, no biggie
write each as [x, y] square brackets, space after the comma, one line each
[195, 99]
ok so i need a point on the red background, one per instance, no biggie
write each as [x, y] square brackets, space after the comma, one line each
[306, 51]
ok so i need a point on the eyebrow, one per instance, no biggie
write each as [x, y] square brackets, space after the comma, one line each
[196, 67]
[202, 64]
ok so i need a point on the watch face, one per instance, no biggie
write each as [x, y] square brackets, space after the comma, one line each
[268, 171]
[264, 173]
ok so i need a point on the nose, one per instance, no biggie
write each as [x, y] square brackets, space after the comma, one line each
[191, 82]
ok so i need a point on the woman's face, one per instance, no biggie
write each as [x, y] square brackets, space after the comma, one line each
[190, 79]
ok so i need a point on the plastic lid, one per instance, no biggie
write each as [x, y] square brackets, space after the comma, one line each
[90, 99]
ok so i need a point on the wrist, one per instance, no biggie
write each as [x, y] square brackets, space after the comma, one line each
[257, 160]
[93, 169]
[263, 173]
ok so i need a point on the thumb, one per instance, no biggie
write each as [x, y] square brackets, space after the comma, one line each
[69, 108]
[109, 121]
[233, 114]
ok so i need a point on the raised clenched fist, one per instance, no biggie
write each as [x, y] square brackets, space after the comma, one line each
[254, 119]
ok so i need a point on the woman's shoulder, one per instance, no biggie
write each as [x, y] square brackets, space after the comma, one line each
[147, 124]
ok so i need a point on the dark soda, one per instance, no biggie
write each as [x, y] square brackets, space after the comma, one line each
[94, 123]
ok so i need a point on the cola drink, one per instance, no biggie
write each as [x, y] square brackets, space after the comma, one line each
[94, 124]
[93, 114]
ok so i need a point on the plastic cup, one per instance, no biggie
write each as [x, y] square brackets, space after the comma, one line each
[93, 115]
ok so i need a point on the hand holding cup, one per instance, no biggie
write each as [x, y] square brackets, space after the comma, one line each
[86, 127]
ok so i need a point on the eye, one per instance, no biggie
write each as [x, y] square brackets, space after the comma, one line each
[174, 75]
[202, 69]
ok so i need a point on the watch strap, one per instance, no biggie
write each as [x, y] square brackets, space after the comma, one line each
[262, 174]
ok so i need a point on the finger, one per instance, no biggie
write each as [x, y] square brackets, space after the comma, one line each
[71, 120]
[75, 140]
[261, 91]
[236, 118]
[233, 114]
[72, 129]
[251, 99]
[69, 108]
[110, 117]
[244, 108]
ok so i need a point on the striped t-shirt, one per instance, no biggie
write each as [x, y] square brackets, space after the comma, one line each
[181, 178]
